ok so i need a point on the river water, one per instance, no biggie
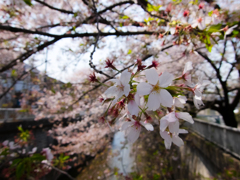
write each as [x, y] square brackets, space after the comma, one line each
[124, 161]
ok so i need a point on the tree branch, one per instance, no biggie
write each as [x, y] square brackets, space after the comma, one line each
[57, 9]
[27, 55]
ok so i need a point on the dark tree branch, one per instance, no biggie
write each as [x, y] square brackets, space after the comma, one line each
[27, 55]
[13, 29]
[57, 9]
[236, 100]
[223, 83]
[223, 54]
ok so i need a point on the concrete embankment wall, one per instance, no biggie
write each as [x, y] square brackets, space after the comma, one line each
[210, 150]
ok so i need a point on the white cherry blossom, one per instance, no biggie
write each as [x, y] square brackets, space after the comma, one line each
[229, 30]
[120, 88]
[133, 128]
[171, 121]
[197, 90]
[133, 105]
[179, 101]
[197, 102]
[157, 95]
[170, 138]
[186, 75]
[201, 23]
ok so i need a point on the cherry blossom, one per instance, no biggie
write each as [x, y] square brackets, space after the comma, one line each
[228, 30]
[132, 129]
[170, 138]
[48, 154]
[155, 88]
[197, 90]
[133, 105]
[171, 121]
[201, 22]
[186, 75]
[179, 101]
[120, 88]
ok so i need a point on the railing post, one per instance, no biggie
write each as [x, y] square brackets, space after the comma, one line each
[224, 138]
[6, 115]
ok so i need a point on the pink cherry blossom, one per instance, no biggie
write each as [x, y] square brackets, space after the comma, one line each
[48, 154]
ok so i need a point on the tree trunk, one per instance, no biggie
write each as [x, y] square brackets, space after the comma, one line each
[229, 117]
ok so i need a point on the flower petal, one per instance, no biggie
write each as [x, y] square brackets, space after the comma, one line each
[125, 77]
[120, 94]
[185, 116]
[110, 92]
[163, 124]
[197, 102]
[182, 131]
[137, 99]
[144, 88]
[125, 125]
[153, 101]
[166, 98]
[172, 30]
[167, 139]
[165, 135]
[133, 108]
[126, 89]
[174, 127]
[167, 144]
[165, 79]
[148, 126]
[133, 134]
[171, 117]
[114, 81]
[151, 75]
[177, 140]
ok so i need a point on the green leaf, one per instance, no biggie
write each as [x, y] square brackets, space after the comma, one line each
[20, 170]
[149, 19]
[210, 13]
[151, 8]
[124, 17]
[14, 73]
[209, 47]
[235, 33]
[65, 158]
[15, 162]
[20, 128]
[214, 28]
[28, 2]
[37, 157]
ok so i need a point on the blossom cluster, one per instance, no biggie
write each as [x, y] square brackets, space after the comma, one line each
[140, 101]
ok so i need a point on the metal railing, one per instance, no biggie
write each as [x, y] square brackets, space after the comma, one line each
[225, 137]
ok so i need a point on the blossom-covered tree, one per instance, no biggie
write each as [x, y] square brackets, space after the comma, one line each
[157, 46]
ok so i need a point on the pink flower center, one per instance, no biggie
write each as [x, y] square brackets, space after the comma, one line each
[200, 20]
[137, 124]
